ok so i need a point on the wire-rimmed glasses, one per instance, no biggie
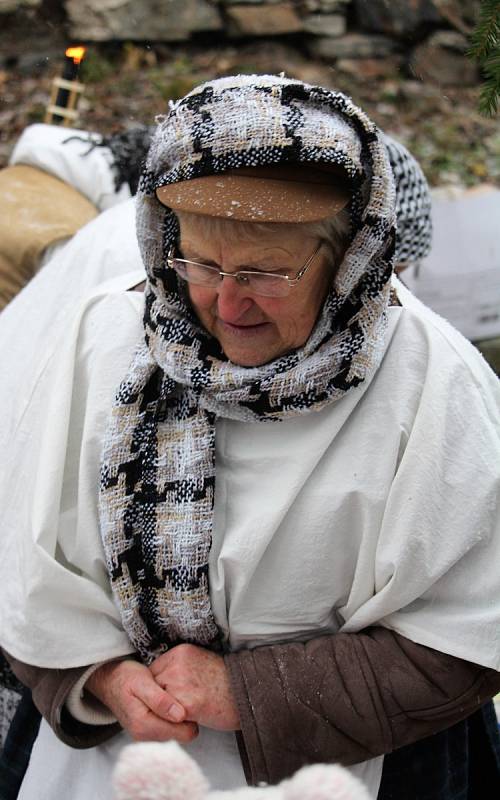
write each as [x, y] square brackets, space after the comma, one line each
[267, 284]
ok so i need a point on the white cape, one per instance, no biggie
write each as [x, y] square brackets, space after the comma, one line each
[379, 510]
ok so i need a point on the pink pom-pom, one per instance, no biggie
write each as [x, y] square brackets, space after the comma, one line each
[324, 782]
[157, 771]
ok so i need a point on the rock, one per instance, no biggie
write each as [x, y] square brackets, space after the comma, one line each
[248, 2]
[10, 6]
[35, 57]
[324, 24]
[461, 14]
[33, 63]
[267, 20]
[326, 6]
[150, 20]
[441, 60]
[370, 68]
[353, 45]
[404, 18]
[397, 18]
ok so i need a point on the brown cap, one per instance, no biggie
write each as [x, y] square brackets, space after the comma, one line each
[280, 193]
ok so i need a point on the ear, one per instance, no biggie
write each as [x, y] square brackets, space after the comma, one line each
[157, 771]
[324, 782]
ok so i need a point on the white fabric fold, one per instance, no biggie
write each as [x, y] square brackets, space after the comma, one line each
[380, 510]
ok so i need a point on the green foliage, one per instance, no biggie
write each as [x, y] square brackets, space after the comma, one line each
[95, 68]
[488, 101]
[485, 49]
[174, 87]
[36, 113]
[451, 154]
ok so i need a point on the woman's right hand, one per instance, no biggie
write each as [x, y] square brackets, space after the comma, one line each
[144, 709]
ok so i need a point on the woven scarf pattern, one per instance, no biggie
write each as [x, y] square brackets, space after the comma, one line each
[158, 470]
[413, 205]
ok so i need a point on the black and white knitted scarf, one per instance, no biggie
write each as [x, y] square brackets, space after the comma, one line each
[158, 470]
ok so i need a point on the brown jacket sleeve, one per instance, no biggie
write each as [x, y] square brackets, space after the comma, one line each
[50, 689]
[347, 698]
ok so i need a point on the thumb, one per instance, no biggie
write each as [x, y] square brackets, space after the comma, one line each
[160, 701]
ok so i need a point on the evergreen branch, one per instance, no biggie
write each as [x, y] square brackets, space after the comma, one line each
[490, 91]
[486, 36]
[485, 49]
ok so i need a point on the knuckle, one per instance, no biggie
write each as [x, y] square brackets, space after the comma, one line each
[159, 663]
[182, 652]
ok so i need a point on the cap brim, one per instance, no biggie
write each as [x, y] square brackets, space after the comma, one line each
[264, 197]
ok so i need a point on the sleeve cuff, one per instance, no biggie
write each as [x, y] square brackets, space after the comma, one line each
[85, 707]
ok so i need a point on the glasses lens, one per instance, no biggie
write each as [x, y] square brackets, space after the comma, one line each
[268, 285]
[201, 274]
[264, 284]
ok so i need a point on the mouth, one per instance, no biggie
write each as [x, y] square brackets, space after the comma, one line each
[244, 330]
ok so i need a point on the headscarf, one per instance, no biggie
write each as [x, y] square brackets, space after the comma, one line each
[413, 205]
[158, 470]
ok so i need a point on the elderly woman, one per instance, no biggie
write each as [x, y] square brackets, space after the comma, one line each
[296, 533]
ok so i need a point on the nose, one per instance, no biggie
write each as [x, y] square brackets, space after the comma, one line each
[233, 300]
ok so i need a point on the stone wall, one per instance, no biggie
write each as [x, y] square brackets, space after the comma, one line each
[429, 36]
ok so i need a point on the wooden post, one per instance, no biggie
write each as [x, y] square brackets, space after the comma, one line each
[66, 91]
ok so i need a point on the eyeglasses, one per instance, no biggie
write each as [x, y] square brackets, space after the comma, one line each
[267, 284]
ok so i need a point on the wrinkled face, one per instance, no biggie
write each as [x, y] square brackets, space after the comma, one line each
[251, 329]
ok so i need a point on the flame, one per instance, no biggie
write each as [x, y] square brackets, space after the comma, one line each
[76, 53]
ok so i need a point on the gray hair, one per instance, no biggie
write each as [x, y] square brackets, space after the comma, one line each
[333, 231]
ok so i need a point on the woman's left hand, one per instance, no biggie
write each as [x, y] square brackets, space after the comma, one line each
[199, 680]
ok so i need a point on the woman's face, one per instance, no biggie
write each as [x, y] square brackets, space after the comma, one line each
[252, 329]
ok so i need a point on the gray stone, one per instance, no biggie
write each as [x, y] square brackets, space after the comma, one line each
[248, 2]
[371, 68]
[461, 14]
[451, 40]
[397, 17]
[403, 18]
[324, 24]
[326, 6]
[149, 20]
[268, 20]
[10, 6]
[353, 45]
[441, 60]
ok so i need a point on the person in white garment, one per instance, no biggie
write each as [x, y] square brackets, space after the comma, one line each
[254, 506]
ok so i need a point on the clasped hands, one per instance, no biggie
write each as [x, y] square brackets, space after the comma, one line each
[185, 687]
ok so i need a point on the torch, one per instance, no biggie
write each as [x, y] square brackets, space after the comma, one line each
[66, 90]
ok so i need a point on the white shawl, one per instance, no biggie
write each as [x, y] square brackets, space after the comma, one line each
[392, 494]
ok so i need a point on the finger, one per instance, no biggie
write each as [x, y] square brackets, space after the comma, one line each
[152, 729]
[158, 665]
[160, 701]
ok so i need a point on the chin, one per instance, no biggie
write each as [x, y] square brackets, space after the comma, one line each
[247, 361]
[250, 358]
